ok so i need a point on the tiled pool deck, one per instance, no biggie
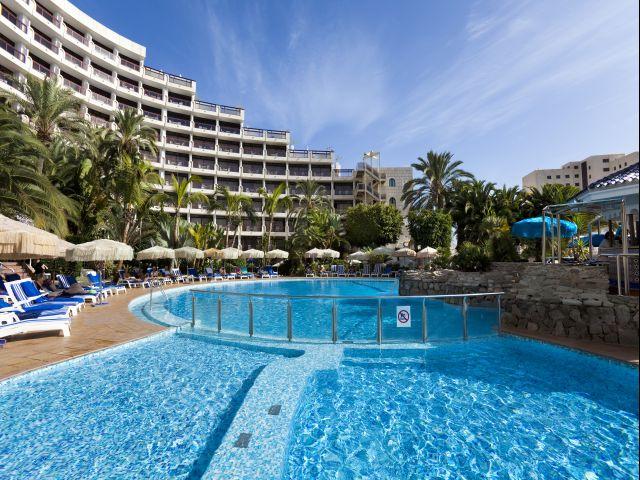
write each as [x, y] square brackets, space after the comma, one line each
[105, 326]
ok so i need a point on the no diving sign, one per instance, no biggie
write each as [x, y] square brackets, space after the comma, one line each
[403, 316]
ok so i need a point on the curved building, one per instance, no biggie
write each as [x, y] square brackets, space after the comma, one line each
[108, 72]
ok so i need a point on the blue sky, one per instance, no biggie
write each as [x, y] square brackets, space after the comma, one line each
[506, 86]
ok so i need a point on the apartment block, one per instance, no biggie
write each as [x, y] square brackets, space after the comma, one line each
[580, 173]
[53, 38]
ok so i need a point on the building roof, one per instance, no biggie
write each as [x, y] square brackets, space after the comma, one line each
[627, 175]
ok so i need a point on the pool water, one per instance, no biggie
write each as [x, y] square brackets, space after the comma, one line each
[311, 317]
[155, 409]
[490, 408]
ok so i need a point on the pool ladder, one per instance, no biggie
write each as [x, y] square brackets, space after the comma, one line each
[160, 287]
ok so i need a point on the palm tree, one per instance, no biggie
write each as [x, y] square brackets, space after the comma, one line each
[50, 108]
[273, 202]
[309, 195]
[508, 202]
[181, 197]
[206, 236]
[438, 174]
[470, 204]
[538, 198]
[236, 205]
[24, 191]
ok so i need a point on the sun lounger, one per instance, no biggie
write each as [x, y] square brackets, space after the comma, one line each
[388, 271]
[14, 322]
[377, 269]
[194, 273]
[366, 270]
[340, 271]
[177, 275]
[65, 281]
[32, 292]
[107, 287]
[21, 302]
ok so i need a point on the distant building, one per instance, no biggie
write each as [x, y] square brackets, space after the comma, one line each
[581, 173]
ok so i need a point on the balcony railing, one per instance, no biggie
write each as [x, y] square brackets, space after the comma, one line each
[255, 169]
[276, 153]
[73, 59]
[45, 42]
[12, 50]
[101, 98]
[102, 75]
[179, 121]
[321, 172]
[124, 106]
[343, 191]
[276, 171]
[321, 154]
[99, 121]
[228, 167]
[276, 134]
[204, 164]
[206, 106]
[8, 79]
[298, 154]
[129, 86]
[343, 172]
[302, 172]
[41, 68]
[73, 34]
[152, 115]
[233, 130]
[153, 94]
[47, 15]
[177, 162]
[253, 132]
[204, 145]
[103, 52]
[205, 126]
[251, 188]
[230, 110]
[180, 81]
[179, 101]
[253, 151]
[154, 73]
[130, 65]
[13, 18]
[229, 148]
[178, 141]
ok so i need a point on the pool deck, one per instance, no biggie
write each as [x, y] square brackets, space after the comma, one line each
[105, 326]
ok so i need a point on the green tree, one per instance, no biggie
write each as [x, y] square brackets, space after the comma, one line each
[438, 173]
[372, 225]
[237, 205]
[430, 228]
[50, 108]
[308, 195]
[206, 235]
[471, 202]
[181, 197]
[273, 203]
[551, 194]
[23, 189]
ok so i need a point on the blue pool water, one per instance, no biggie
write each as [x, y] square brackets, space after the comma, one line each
[155, 409]
[311, 317]
[491, 408]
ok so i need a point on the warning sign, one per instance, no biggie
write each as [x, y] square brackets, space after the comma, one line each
[403, 316]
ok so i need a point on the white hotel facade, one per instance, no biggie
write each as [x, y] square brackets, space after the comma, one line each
[195, 137]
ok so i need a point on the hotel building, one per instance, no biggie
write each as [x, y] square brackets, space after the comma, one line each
[53, 38]
[580, 173]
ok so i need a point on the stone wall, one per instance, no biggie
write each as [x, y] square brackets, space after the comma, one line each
[562, 300]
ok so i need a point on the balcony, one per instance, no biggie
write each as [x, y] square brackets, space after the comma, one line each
[206, 106]
[184, 122]
[45, 42]
[98, 97]
[176, 140]
[302, 154]
[8, 78]
[99, 121]
[253, 151]
[229, 129]
[276, 171]
[184, 82]
[343, 172]
[231, 186]
[320, 172]
[152, 115]
[205, 126]
[130, 65]
[74, 60]
[132, 87]
[251, 187]
[179, 101]
[103, 52]
[228, 166]
[175, 161]
[12, 50]
[276, 135]
[40, 68]
[204, 164]
[13, 18]
[276, 153]
[76, 36]
[152, 94]
[226, 148]
[154, 73]
[252, 169]
[343, 191]
[299, 171]
[47, 15]
[99, 74]
[204, 145]
[322, 154]
[235, 111]
[253, 132]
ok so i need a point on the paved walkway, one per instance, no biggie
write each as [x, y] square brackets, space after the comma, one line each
[105, 326]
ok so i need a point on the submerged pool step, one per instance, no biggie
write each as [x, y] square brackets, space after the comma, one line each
[275, 409]
[243, 440]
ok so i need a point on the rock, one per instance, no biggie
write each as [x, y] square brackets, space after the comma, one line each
[572, 301]
[559, 330]
[622, 314]
[611, 338]
[628, 337]
[591, 302]
[532, 327]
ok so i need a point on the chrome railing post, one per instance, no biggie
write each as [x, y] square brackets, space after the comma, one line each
[219, 314]
[193, 310]
[424, 320]
[289, 322]
[499, 313]
[334, 322]
[250, 317]
[379, 324]
[618, 276]
[465, 333]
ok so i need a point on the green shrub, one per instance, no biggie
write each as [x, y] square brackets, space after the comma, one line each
[503, 249]
[372, 225]
[471, 258]
[430, 228]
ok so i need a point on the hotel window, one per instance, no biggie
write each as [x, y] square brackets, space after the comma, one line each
[557, 176]
[605, 160]
[576, 176]
[392, 182]
[392, 201]
[577, 184]
[548, 177]
[566, 176]
[605, 169]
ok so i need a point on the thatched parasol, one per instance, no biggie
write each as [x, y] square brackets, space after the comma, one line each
[19, 241]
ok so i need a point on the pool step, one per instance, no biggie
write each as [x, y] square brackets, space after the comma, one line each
[243, 440]
[275, 409]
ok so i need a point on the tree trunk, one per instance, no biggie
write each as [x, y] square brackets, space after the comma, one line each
[176, 229]
[269, 233]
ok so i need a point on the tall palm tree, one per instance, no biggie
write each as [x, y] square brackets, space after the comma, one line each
[236, 205]
[182, 197]
[273, 202]
[538, 198]
[437, 176]
[507, 203]
[50, 107]
[309, 195]
[206, 236]
[23, 189]
[471, 203]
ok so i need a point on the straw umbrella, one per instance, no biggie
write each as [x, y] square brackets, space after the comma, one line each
[213, 253]
[382, 251]
[404, 252]
[229, 253]
[277, 254]
[427, 252]
[313, 253]
[189, 253]
[328, 253]
[19, 241]
[155, 253]
[252, 253]
[359, 255]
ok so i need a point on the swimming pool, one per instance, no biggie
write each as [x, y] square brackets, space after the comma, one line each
[311, 302]
[491, 408]
[154, 409]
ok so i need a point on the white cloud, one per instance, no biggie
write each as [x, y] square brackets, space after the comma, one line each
[321, 77]
[516, 56]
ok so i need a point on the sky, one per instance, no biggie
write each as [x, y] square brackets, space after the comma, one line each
[506, 86]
